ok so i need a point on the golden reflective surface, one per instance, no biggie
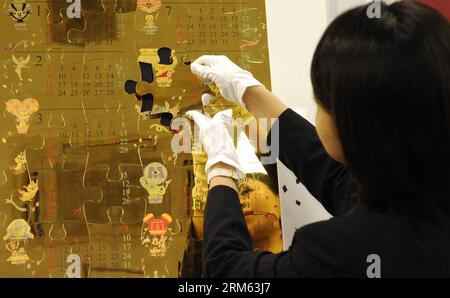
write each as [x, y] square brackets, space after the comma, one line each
[89, 184]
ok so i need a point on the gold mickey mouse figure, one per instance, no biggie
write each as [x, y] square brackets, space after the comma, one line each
[19, 14]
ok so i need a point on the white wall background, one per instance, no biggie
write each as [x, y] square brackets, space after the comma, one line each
[295, 28]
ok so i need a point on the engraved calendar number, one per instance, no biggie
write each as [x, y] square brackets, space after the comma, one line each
[127, 265]
[126, 254]
[169, 10]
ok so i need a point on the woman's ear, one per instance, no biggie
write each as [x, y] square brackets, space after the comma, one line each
[328, 134]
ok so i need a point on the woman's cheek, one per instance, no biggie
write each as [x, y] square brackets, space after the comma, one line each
[328, 135]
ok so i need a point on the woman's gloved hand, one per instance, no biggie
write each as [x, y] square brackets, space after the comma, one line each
[232, 80]
[217, 142]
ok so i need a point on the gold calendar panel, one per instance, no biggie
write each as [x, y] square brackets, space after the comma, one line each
[89, 183]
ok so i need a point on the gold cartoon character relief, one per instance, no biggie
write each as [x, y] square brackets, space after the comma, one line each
[17, 236]
[21, 163]
[20, 64]
[150, 8]
[22, 111]
[30, 191]
[164, 63]
[156, 234]
[19, 11]
[154, 181]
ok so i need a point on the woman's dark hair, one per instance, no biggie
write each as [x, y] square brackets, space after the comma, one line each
[385, 81]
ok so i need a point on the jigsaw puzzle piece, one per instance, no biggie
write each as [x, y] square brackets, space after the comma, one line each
[20, 196]
[100, 24]
[19, 184]
[166, 239]
[47, 194]
[39, 181]
[110, 157]
[62, 195]
[158, 182]
[45, 249]
[62, 249]
[115, 194]
[56, 154]
[63, 16]
[153, 91]
[116, 238]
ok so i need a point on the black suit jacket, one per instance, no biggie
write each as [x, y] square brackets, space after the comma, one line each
[341, 247]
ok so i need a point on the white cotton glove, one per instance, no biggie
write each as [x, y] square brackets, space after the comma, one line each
[216, 140]
[232, 80]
